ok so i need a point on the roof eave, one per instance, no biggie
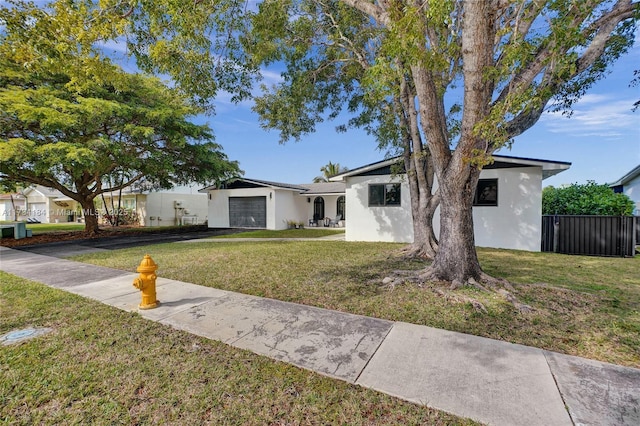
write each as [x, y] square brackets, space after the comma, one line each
[634, 173]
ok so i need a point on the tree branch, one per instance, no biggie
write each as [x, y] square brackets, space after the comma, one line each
[378, 13]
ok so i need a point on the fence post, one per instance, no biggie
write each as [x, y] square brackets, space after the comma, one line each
[556, 233]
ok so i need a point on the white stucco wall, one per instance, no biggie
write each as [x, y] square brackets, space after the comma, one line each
[632, 189]
[16, 210]
[288, 206]
[6, 210]
[161, 205]
[364, 223]
[515, 223]
[218, 209]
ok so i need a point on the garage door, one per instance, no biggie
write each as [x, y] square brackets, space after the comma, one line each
[248, 212]
[37, 211]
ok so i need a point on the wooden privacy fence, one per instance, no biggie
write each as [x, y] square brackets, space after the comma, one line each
[591, 235]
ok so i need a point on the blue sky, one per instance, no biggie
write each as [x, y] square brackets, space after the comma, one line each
[601, 139]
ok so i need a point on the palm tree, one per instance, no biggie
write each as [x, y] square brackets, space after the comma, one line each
[329, 170]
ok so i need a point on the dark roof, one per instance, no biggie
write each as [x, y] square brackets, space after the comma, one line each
[306, 189]
[253, 183]
[324, 188]
[549, 168]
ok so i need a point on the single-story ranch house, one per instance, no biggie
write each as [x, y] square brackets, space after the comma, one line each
[373, 203]
[252, 203]
[180, 205]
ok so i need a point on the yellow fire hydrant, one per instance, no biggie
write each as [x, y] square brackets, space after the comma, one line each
[146, 283]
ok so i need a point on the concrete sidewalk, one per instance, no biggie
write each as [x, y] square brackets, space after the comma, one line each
[487, 380]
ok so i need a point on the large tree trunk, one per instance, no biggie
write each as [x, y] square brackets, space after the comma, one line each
[423, 207]
[456, 260]
[90, 216]
[420, 174]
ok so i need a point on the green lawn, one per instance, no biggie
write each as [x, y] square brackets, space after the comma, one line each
[101, 365]
[45, 228]
[584, 306]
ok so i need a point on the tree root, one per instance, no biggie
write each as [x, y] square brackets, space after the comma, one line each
[486, 284]
[461, 299]
[413, 252]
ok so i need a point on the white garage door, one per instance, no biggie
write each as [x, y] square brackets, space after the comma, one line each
[37, 211]
[248, 212]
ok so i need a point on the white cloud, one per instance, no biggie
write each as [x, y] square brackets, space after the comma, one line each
[224, 102]
[596, 115]
[271, 77]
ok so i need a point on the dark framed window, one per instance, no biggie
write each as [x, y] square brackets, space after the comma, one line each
[318, 208]
[486, 193]
[340, 207]
[386, 194]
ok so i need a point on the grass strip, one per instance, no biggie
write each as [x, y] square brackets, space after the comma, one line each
[106, 366]
[584, 306]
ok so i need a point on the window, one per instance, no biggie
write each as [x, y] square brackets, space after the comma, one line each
[486, 193]
[340, 207]
[384, 194]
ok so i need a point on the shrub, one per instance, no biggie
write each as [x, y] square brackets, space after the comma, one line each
[586, 199]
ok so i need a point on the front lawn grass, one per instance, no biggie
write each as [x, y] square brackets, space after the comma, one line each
[101, 365]
[584, 306]
[48, 228]
[45, 228]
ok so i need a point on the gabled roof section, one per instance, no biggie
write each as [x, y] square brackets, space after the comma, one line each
[368, 169]
[549, 168]
[9, 195]
[628, 177]
[253, 183]
[47, 192]
[324, 188]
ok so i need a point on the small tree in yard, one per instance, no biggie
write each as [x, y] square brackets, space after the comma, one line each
[587, 199]
[70, 118]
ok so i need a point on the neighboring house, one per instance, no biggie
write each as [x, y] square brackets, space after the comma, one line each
[49, 205]
[12, 207]
[181, 205]
[177, 206]
[374, 203]
[629, 185]
[252, 203]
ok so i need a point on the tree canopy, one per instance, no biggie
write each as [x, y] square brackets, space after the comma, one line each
[586, 199]
[448, 81]
[469, 76]
[70, 118]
